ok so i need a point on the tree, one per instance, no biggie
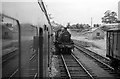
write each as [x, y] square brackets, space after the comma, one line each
[77, 26]
[109, 17]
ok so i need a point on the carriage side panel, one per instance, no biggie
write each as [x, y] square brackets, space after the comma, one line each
[113, 44]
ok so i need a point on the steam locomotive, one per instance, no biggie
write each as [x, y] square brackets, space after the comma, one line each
[64, 46]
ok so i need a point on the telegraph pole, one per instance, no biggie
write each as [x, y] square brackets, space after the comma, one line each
[91, 21]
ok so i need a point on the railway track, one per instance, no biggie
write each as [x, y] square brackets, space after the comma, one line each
[97, 56]
[10, 54]
[101, 61]
[13, 75]
[73, 68]
[94, 55]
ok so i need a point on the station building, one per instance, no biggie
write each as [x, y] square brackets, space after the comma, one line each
[95, 33]
[6, 30]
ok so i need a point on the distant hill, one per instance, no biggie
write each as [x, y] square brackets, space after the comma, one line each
[28, 29]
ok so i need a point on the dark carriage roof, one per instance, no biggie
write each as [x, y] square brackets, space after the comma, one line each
[114, 30]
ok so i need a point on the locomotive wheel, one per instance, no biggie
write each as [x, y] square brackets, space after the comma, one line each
[66, 51]
[62, 50]
[114, 63]
[56, 51]
[69, 51]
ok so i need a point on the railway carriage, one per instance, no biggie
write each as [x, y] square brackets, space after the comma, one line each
[31, 41]
[113, 46]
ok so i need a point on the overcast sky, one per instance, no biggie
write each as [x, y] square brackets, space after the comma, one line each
[73, 11]
[27, 11]
[80, 11]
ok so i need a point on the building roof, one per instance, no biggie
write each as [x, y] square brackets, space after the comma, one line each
[94, 28]
[113, 24]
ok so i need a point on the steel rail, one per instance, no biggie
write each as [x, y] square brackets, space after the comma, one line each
[68, 73]
[13, 73]
[3, 61]
[82, 66]
[35, 76]
[93, 52]
[96, 59]
[21, 67]
[32, 56]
